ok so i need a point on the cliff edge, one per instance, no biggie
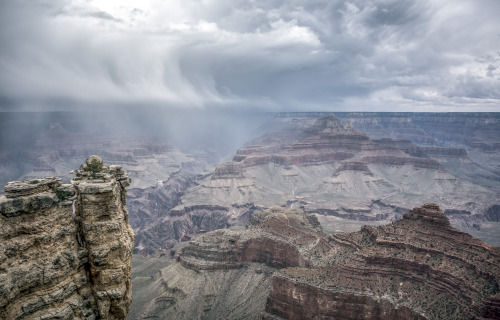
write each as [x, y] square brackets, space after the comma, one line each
[66, 249]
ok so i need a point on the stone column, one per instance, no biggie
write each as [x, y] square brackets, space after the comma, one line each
[106, 232]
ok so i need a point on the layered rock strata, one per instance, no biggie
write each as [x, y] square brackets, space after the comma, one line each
[324, 140]
[277, 237]
[416, 268]
[327, 167]
[149, 208]
[66, 249]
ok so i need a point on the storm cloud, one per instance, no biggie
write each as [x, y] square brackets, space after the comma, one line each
[380, 55]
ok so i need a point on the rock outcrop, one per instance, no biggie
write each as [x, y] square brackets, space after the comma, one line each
[66, 249]
[277, 237]
[418, 267]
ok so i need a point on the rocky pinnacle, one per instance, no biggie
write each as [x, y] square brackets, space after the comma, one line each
[66, 249]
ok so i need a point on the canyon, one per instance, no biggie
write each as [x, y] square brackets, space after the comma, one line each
[66, 249]
[333, 170]
[283, 266]
[316, 215]
[367, 168]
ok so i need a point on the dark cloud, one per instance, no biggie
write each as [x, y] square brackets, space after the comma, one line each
[270, 55]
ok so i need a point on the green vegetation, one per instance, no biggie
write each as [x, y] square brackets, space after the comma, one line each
[61, 194]
[93, 166]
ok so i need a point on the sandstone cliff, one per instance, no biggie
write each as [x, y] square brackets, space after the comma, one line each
[66, 249]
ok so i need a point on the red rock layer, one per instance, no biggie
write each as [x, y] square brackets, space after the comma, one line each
[420, 265]
[275, 240]
[312, 302]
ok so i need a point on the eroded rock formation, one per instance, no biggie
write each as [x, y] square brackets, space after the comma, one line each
[277, 237]
[327, 167]
[337, 169]
[66, 249]
[418, 267]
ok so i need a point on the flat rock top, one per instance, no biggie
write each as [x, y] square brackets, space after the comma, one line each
[16, 189]
[94, 186]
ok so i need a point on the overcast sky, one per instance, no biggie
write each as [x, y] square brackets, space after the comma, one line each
[328, 55]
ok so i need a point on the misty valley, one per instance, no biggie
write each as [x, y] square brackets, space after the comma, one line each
[249, 215]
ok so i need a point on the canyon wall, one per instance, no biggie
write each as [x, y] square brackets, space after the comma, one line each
[66, 249]
[418, 267]
[327, 167]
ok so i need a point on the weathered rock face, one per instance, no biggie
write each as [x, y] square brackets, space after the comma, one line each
[66, 250]
[275, 237]
[149, 208]
[416, 268]
[313, 302]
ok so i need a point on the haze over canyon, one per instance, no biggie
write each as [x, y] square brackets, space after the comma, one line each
[358, 210]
